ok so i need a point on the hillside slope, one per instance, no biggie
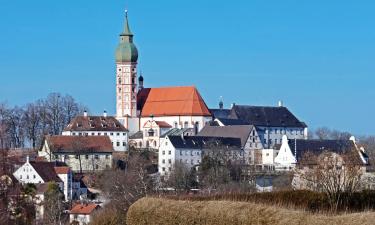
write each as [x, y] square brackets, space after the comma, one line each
[171, 212]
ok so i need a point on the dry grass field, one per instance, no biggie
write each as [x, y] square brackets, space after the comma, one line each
[158, 211]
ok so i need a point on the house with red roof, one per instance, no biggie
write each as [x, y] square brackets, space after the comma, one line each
[80, 153]
[82, 213]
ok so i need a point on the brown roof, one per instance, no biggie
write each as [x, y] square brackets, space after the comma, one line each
[62, 170]
[82, 208]
[74, 144]
[172, 101]
[95, 123]
[163, 124]
[46, 171]
[237, 131]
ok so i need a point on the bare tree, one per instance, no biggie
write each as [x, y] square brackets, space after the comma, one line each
[31, 121]
[55, 111]
[124, 187]
[181, 178]
[13, 119]
[53, 204]
[331, 173]
[323, 133]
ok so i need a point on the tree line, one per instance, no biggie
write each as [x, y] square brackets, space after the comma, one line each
[26, 126]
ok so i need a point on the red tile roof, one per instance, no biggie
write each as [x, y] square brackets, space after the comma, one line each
[163, 124]
[81, 144]
[173, 101]
[62, 170]
[84, 208]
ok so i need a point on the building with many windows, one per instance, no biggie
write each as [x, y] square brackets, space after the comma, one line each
[99, 126]
[81, 153]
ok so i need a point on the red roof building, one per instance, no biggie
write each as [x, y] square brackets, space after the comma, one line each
[172, 101]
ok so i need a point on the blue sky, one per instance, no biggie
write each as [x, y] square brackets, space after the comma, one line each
[317, 56]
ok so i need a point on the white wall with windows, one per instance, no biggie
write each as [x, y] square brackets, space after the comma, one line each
[119, 139]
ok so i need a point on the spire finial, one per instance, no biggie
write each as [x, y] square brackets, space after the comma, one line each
[127, 31]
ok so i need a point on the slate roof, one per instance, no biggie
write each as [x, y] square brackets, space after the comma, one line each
[232, 122]
[177, 132]
[265, 116]
[220, 113]
[137, 135]
[240, 131]
[199, 142]
[79, 144]
[302, 146]
[95, 123]
[172, 101]
[46, 171]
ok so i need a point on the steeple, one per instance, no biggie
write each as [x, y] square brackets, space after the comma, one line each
[127, 31]
[126, 50]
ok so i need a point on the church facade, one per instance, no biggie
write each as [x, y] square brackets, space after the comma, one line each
[151, 112]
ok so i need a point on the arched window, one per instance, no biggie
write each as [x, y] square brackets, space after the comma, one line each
[119, 80]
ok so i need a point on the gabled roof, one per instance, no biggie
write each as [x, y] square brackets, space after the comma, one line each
[62, 170]
[220, 113]
[178, 132]
[301, 147]
[163, 124]
[46, 171]
[199, 142]
[137, 135]
[240, 131]
[85, 209]
[95, 123]
[79, 144]
[172, 101]
[265, 116]
[231, 122]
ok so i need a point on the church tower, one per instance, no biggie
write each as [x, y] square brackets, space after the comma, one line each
[126, 79]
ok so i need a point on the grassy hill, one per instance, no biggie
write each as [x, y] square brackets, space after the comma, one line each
[161, 211]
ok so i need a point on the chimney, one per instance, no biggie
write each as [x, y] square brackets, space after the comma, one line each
[280, 103]
[85, 113]
[233, 104]
[27, 159]
[105, 113]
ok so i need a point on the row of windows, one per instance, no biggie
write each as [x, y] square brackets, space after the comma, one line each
[284, 131]
[191, 153]
[27, 177]
[118, 144]
[98, 134]
[86, 157]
